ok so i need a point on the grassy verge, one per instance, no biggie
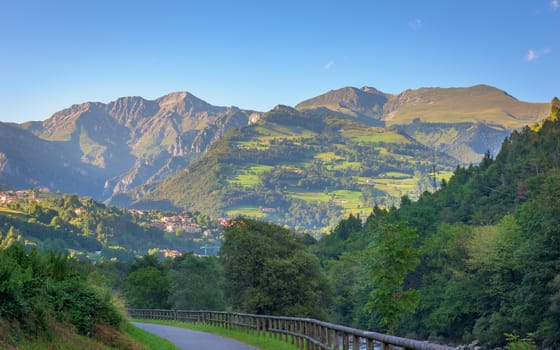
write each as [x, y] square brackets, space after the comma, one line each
[262, 342]
[64, 337]
[149, 340]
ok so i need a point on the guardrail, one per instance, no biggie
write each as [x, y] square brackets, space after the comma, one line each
[303, 333]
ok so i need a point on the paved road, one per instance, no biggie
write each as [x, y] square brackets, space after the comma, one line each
[186, 339]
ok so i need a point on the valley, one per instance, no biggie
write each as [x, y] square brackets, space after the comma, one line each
[346, 151]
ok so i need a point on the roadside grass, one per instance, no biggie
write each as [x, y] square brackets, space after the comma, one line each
[64, 337]
[262, 342]
[149, 340]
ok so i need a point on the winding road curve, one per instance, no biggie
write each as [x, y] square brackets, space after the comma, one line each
[185, 339]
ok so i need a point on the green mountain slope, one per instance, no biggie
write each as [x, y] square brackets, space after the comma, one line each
[480, 103]
[301, 169]
[462, 122]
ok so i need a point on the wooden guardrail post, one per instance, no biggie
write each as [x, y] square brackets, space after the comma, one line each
[345, 345]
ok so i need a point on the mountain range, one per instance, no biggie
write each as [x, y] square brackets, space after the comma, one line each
[350, 145]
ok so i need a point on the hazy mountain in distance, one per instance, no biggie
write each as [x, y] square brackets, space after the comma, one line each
[133, 141]
[27, 161]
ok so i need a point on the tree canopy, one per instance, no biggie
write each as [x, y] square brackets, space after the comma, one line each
[269, 271]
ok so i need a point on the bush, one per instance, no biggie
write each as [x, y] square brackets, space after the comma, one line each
[35, 288]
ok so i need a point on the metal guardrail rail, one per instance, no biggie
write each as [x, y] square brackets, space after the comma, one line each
[304, 333]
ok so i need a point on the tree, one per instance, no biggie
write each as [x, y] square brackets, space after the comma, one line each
[391, 256]
[147, 287]
[269, 271]
[196, 284]
[12, 237]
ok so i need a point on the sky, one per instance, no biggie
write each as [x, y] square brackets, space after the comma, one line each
[257, 54]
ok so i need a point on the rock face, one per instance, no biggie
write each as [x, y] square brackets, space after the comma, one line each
[131, 141]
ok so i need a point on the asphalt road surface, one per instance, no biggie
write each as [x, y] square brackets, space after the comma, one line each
[186, 339]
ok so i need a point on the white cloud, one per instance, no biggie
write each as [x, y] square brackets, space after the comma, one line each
[329, 65]
[555, 5]
[416, 24]
[534, 54]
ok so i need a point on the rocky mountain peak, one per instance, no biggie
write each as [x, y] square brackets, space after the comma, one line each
[128, 110]
[366, 102]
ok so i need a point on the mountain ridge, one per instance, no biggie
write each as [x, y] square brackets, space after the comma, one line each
[129, 145]
[134, 140]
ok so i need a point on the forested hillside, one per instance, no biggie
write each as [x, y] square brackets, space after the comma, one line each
[302, 170]
[94, 231]
[487, 244]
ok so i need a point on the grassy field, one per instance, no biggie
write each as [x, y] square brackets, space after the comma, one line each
[328, 157]
[263, 343]
[348, 199]
[346, 165]
[310, 196]
[257, 145]
[375, 135]
[247, 211]
[249, 177]
[396, 175]
[397, 188]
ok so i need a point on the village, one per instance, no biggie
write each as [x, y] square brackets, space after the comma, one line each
[177, 225]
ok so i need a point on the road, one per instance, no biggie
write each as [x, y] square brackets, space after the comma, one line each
[185, 339]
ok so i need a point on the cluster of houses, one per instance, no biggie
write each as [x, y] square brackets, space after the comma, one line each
[178, 222]
[9, 196]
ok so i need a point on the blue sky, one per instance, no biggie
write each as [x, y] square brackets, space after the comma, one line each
[256, 54]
